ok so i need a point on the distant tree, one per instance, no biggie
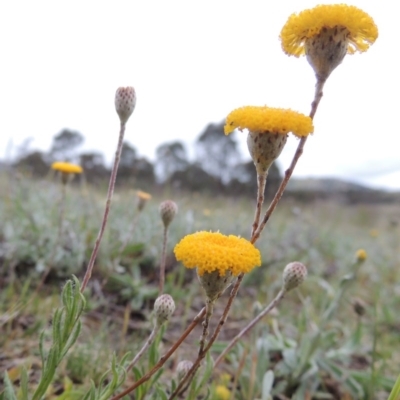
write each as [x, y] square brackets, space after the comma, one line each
[194, 178]
[65, 144]
[216, 153]
[93, 166]
[34, 163]
[127, 162]
[143, 171]
[244, 180]
[170, 158]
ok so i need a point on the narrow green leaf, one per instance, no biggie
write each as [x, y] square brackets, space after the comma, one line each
[395, 393]
[24, 384]
[9, 393]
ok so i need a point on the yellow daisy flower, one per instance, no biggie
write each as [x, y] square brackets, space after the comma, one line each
[267, 119]
[213, 251]
[361, 30]
[143, 195]
[222, 392]
[361, 255]
[66, 167]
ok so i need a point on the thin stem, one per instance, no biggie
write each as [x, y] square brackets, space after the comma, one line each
[164, 358]
[163, 261]
[249, 326]
[289, 171]
[189, 376]
[111, 186]
[261, 181]
[149, 341]
[204, 335]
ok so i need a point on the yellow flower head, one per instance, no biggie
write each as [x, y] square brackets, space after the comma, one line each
[143, 195]
[222, 392]
[213, 251]
[361, 255]
[361, 29]
[66, 167]
[267, 119]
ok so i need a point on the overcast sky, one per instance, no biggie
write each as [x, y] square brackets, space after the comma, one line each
[191, 63]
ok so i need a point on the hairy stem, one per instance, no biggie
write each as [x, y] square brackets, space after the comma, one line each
[149, 341]
[261, 181]
[111, 186]
[289, 171]
[183, 384]
[163, 261]
[164, 358]
[249, 326]
[204, 335]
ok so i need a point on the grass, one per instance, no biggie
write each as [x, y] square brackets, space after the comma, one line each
[336, 337]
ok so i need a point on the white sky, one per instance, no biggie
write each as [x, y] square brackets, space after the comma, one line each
[191, 63]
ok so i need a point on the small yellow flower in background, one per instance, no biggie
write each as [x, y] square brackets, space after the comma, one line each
[143, 195]
[206, 212]
[267, 119]
[361, 255]
[374, 233]
[222, 392]
[143, 198]
[213, 251]
[360, 27]
[66, 167]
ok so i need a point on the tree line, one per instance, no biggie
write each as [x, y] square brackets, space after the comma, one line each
[217, 165]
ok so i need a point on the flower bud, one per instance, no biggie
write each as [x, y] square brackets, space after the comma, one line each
[214, 284]
[168, 210]
[183, 368]
[327, 50]
[265, 148]
[293, 275]
[359, 307]
[125, 101]
[164, 307]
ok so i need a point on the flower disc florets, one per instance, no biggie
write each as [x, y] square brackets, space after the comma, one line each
[361, 29]
[66, 167]
[267, 119]
[212, 251]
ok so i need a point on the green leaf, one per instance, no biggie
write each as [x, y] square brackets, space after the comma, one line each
[395, 393]
[24, 384]
[9, 393]
[267, 383]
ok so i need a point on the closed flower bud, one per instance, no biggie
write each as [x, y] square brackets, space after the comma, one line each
[164, 307]
[168, 210]
[214, 284]
[183, 368]
[125, 101]
[293, 275]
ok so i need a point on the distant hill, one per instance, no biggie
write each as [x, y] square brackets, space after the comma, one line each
[339, 190]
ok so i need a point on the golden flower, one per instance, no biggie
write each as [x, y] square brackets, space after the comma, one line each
[222, 392]
[66, 167]
[142, 199]
[361, 255]
[361, 30]
[267, 119]
[143, 195]
[213, 251]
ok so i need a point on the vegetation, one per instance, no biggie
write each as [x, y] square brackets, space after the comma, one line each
[343, 328]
